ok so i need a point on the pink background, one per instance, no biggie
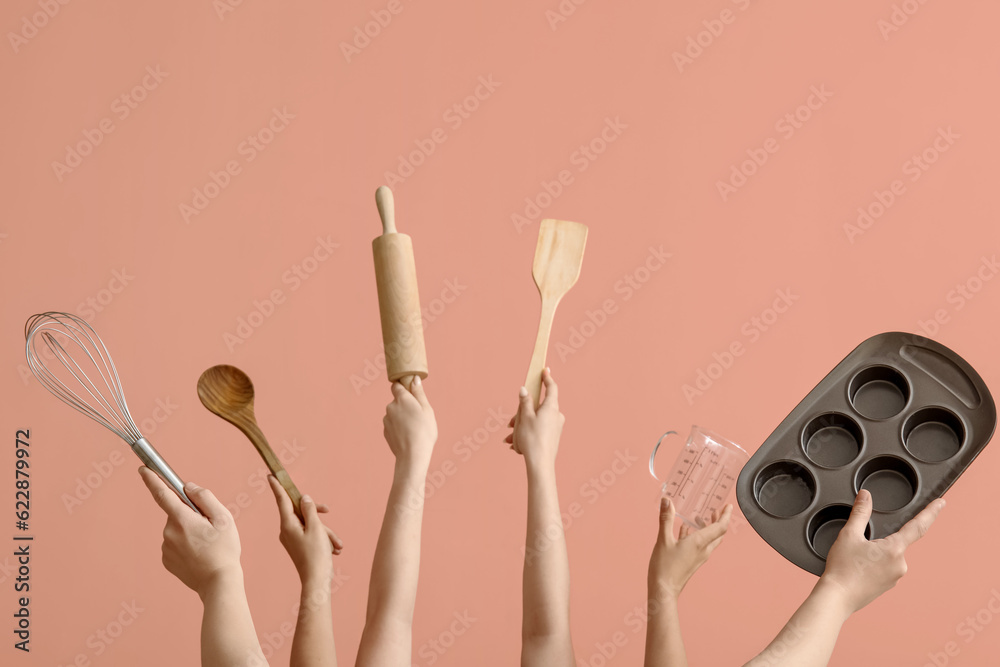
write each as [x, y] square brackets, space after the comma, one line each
[556, 84]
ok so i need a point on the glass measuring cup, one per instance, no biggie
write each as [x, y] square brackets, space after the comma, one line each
[703, 475]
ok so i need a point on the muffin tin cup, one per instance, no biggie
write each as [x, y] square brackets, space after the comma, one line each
[901, 417]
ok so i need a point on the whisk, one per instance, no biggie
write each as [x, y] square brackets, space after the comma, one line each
[45, 335]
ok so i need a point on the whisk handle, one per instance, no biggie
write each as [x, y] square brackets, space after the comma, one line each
[152, 460]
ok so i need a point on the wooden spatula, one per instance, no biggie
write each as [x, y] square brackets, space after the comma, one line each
[558, 257]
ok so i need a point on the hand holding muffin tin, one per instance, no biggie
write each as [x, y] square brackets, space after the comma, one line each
[902, 416]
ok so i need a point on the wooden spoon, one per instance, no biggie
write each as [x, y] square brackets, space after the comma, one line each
[558, 258]
[228, 392]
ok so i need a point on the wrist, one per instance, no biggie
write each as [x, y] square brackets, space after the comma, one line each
[664, 591]
[412, 467]
[832, 595]
[316, 585]
[540, 473]
[222, 581]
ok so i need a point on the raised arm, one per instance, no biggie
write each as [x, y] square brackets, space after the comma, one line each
[204, 553]
[311, 547]
[411, 431]
[857, 572]
[672, 564]
[545, 630]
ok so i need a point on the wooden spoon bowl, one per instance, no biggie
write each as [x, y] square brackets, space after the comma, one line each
[228, 392]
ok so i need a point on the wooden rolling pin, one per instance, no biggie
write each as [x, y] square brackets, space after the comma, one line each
[398, 298]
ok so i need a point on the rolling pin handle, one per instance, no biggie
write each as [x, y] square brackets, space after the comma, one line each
[386, 209]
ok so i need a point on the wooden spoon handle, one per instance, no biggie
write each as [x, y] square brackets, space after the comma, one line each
[256, 436]
[290, 488]
[533, 382]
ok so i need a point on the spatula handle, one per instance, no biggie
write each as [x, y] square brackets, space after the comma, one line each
[533, 382]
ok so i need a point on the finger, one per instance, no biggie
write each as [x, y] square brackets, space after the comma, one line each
[509, 439]
[714, 531]
[513, 420]
[525, 405]
[551, 389]
[723, 518]
[209, 505]
[713, 545]
[860, 513]
[417, 389]
[310, 519]
[667, 514]
[286, 510]
[684, 532]
[338, 544]
[918, 526]
[398, 391]
[165, 497]
[322, 508]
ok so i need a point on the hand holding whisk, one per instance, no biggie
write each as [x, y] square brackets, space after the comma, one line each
[88, 382]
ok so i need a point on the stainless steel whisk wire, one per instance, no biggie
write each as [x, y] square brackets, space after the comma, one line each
[118, 421]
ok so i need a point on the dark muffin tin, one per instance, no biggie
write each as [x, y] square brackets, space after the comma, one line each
[901, 416]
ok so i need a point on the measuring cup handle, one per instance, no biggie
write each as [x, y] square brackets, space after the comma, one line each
[652, 457]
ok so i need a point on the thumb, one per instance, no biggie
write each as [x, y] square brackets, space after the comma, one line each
[860, 513]
[310, 518]
[526, 406]
[667, 514]
[209, 505]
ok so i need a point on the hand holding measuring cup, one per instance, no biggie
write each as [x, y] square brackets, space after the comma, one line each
[703, 475]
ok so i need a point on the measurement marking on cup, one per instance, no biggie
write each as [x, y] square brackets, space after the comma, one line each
[703, 474]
